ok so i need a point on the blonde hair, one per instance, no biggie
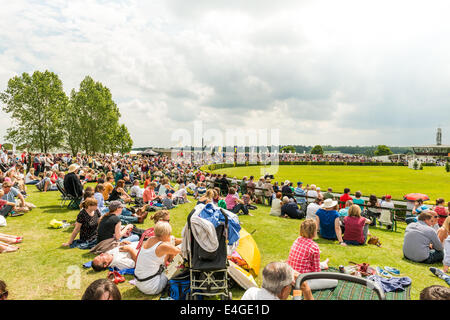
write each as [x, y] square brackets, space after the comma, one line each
[354, 211]
[159, 215]
[162, 229]
[88, 202]
[308, 228]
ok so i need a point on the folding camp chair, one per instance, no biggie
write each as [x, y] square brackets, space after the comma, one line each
[367, 285]
[64, 196]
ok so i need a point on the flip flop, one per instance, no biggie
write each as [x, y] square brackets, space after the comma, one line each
[382, 273]
[392, 270]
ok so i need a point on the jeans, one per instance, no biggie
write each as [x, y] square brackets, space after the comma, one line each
[132, 238]
[434, 257]
[240, 207]
[32, 182]
[5, 210]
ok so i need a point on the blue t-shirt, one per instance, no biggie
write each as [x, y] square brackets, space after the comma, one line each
[10, 196]
[300, 194]
[327, 219]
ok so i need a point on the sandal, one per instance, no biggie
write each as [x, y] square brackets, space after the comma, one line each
[116, 277]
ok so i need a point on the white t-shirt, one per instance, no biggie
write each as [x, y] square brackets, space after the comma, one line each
[386, 204]
[137, 191]
[276, 207]
[180, 193]
[311, 210]
[255, 293]
[122, 260]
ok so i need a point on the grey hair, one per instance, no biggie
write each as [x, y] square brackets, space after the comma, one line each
[285, 199]
[276, 276]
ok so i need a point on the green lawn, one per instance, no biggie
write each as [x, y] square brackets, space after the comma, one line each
[397, 181]
[42, 269]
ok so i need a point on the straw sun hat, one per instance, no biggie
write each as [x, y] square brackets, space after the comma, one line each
[73, 167]
[329, 203]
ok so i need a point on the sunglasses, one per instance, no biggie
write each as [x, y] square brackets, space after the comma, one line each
[4, 295]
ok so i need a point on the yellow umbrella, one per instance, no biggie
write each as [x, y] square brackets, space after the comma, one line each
[248, 250]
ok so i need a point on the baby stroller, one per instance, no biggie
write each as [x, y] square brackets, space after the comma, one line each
[208, 271]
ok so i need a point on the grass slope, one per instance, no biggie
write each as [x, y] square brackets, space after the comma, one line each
[42, 269]
[397, 181]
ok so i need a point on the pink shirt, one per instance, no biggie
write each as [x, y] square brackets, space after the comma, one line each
[230, 200]
[149, 195]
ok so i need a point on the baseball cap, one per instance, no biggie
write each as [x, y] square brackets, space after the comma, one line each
[299, 182]
[388, 196]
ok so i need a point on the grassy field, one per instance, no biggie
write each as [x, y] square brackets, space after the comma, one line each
[42, 269]
[397, 181]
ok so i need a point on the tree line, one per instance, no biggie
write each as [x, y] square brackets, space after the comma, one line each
[44, 118]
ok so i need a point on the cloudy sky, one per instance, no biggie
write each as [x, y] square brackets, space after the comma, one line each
[322, 72]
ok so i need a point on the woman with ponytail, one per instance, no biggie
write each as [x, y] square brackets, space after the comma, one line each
[86, 225]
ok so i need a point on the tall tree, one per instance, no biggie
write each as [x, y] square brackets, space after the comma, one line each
[35, 104]
[288, 149]
[98, 115]
[382, 150]
[317, 150]
[122, 140]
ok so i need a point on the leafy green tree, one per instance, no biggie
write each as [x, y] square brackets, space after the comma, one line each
[98, 116]
[288, 149]
[317, 150]
[35, 103]
[122, 140]
[382, 150]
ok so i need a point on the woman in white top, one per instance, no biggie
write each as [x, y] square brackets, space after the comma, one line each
[30, 178]
[276, 205]
[152, 258]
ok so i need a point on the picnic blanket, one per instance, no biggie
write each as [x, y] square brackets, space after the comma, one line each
[353, 291]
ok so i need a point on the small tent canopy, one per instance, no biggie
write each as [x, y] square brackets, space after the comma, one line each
[149, 152]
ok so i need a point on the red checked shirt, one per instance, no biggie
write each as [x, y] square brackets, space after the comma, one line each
[304, 256]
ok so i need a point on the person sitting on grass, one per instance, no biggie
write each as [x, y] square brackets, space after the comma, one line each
[248, 203]
[45, 184]
[10, 193]
[421, 242]
[304, 255]
[234, 204]
[102, 289]
[86, 225]
[136, 191]
[118, 193]
[6, 207]
[328, 221]
[441, 210]
[276, 205]
[30, 178]
[290, 209]
[444, 236]
[356, 227]
[110, 226]
[313, 207]
[7, 242]
[278, 281]
[155, 253]
[167, 202]
[149, 193]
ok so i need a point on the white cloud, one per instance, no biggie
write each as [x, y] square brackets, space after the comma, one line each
[327, 72]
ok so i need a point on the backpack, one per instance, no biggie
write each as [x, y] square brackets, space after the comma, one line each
[179, 287]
